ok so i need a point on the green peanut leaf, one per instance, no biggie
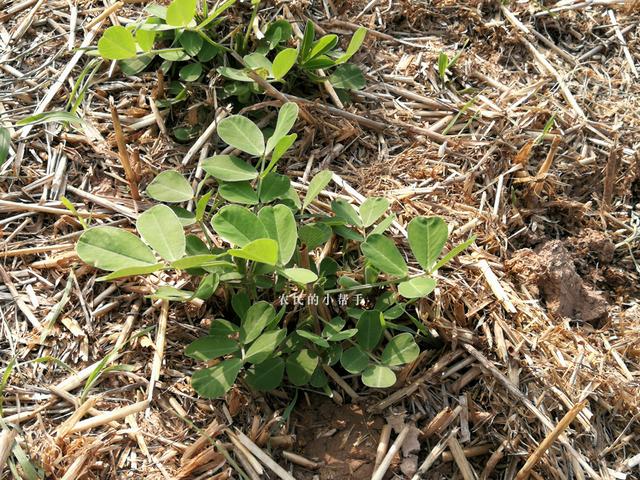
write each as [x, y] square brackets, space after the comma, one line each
[279, 150]
[370, 328]
[267, 375]
[278, 32]
[400, 350]
[171, 187]
[223, 327]
[117, 43]
[378, 376]
[333, 326]
[160, 227]
[417, 287]
[317, 184]
[383, 225]
[156, 10]
[354, 360]
[173, 294]
[314, 235]
[313, 338]
[287, 116]
[348, 77]
[133, 66]
[299, 275]
[257, 61]
[341, 336]
[263, 250]
[229, 168]
[238, 192]
[354, 45]
[453, 252]
[291, 199]
[321, 61]
[146, 38]
[319, 379]
[216, 381]
[258, 316]
[372, 209]
[323, 45]
[280, 225]
[131, 271]
[208, 52]
[237, 225]
[172, 55]
[333, 354]
[234, 74]
[185, 216]
[283, 62]
[274, 186]
[243, 134]
[345, 211]
[307, 41]
[111, 249]
[190, 72]
[264, 346]
[383, 254]
[348, 233]
[427, 236]
[195, 246]
[207, 287]
[197, 261]
[210, 347]
[181, 12]
[201, 205]
[191, 42]
[301, 365]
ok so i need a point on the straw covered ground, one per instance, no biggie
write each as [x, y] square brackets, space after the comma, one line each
[533, 369]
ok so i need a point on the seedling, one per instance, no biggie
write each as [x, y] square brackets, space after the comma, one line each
[288, 269]
[445, 63]
[311, 56]
[185, 42]
[184, 38]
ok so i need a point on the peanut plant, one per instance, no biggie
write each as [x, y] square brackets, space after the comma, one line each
[190, 44]
[288, 268]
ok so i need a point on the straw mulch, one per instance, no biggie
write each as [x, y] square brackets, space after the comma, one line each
[533, 367]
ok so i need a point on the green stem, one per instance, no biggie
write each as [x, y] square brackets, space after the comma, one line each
[262, 160]
[254, 14]
[365, 287]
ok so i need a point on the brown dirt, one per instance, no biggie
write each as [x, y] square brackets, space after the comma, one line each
[343, 438]
[550, 271]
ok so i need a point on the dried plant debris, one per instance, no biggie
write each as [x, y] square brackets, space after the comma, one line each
[516, 122]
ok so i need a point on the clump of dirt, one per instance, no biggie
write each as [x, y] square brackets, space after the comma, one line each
[550, 271]
[592, 244]
[342, 438]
